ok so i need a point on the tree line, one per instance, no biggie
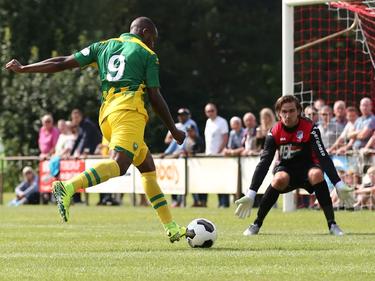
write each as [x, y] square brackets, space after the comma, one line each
[225, 52]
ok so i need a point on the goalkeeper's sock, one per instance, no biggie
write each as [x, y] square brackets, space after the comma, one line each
[156, 197]
[325, 201]
[100, 172]
[268, 200]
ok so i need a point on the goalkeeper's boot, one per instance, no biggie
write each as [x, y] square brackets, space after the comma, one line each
[252, 230]
[174, 231]
[336, 230]
[63, 193]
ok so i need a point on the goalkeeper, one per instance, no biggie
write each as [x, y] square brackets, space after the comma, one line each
[301, 162]
[127, 66]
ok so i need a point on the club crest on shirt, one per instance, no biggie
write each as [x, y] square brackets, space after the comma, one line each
[299, 135]
[135, 146]
[85, 52]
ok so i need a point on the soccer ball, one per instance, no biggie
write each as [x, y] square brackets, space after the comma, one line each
[201, 233]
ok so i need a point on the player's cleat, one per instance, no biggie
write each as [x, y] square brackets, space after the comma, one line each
[63, 197]
[336, 230]
[252, 230]
[174, 231]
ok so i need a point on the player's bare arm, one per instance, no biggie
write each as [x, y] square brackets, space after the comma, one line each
[161, 108]
[50, 65]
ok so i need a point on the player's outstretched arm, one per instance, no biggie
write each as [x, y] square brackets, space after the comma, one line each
[344, 192]
[245, 203]
[161, 108]
[324, 159]
[51, 65]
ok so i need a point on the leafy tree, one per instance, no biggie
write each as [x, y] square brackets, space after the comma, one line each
[216, 51]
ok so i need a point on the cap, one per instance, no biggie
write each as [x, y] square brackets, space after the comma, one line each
[183, 111]
[27, 169]
[190, 127]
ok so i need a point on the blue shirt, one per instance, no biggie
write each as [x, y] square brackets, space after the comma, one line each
[235, 139]
[173, 146]
[28, 188]
[360, 124]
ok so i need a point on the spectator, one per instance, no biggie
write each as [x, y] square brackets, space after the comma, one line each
[370, 144]
[326, 127]
[366, 193]
[216, 131]
[267, 120]
[368, 152]
[311, 113]
[249, 138]
[339, 146]
[363, 128]
[339, 119]
[319, 103]
[66, 140]
[174, 150]
[334, 196]
[193, 145]
[184, 121]
[63, 149]
[89, 136]
[234, 146]
[48, 135]
[27, 192]
[352, 178]
[216, 138]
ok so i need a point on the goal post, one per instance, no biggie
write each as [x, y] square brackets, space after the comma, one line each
[327, 52]
[288, 41]
[289, 204]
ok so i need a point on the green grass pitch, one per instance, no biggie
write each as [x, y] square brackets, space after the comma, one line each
[126, 243]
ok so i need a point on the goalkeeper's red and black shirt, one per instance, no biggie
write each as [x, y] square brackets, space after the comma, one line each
[300, 146]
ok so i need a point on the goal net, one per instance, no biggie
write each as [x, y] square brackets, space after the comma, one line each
[334, 51]
[328, 53]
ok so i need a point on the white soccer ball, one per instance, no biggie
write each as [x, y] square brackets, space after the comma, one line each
[201, 233]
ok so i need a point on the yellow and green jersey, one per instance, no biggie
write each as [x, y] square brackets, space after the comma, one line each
[126, 66]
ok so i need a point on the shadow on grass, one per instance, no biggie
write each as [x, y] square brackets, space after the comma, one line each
[360, 234]
[260, 248]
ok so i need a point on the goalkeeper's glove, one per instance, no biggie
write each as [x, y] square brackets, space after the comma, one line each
[244, 204]
[345, 194]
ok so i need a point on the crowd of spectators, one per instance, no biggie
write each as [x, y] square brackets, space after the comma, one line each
[349, 137]
[71, 138]
[344, 130]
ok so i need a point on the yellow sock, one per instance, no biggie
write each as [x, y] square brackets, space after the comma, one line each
[156, 197]
[100, 172]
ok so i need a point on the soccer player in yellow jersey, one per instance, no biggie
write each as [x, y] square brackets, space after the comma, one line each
[127, 67]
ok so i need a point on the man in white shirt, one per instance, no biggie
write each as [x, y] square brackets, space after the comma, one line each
[216, 131]
[216, 138]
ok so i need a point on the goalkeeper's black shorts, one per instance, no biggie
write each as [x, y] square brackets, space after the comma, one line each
[298, 176]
